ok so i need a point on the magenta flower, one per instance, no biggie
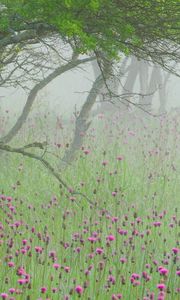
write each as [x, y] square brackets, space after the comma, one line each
[23, 251]
[78, 249]
[99, 250]
[11, 264]
[110, 238]
[161, 296]
[9, 198]
[12, 290]
[112, 279]
[43, 290]
[136, 283]
[161, 286]
[92, 239]
[67, 269]
[56, 266]
[52, 254]
[123, 260]
[122, 231]
[114, 297]
[163, 271]
[157, 224]
[38, 249]
[22, 281]
[175, 250]
[4, 295]
[79, 289]
[21, 271]
[135, 276]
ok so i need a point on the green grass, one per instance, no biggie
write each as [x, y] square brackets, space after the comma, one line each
[146, 187]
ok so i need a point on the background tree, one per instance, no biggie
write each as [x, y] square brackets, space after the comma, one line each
[146, 29]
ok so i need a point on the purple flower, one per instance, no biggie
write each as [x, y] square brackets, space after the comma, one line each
[161, 286]
[79, 289]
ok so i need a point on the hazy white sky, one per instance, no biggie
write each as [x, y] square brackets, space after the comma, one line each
[71, 89]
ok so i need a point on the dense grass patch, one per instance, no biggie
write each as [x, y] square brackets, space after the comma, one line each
[54, 245]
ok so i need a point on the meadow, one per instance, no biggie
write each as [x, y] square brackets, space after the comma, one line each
[55, 245]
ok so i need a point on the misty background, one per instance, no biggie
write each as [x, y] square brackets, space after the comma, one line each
[70, 90]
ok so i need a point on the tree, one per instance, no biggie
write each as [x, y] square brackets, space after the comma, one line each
[40, 83]
[147, 29]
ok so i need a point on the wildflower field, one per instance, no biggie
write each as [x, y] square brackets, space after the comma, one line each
[120, 240]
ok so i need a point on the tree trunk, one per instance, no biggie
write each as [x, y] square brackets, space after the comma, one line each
[82, 121]
[109, 97]
[153, 85]
[32, 96]
[128, 87]
[143, 79]
[163, 94]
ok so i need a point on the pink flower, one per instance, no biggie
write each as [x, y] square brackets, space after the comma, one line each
[56, 266]
[135, 276]
[175, 250]
[11, 264]
[92, 239]
[38, 249]
[79, 289]
[4, 295]
[114, 194]
[43, 290]
[27, 277]
[104, 163]
[157, 224]
[123, 260]
[120, 157]
[52, 254]
[178, 273]
[122, 232]
[163, 271]
[112, 279]
[87, 151]
[12, 290]
[161, 286]
[23, 251]
[21, 271]
[136, 283]
[110, 238]
[78, 250]
[67, 269]
[99, 250]
[114, 219]
[22, 281]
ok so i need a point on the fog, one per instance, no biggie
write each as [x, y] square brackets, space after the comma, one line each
[71, 89]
